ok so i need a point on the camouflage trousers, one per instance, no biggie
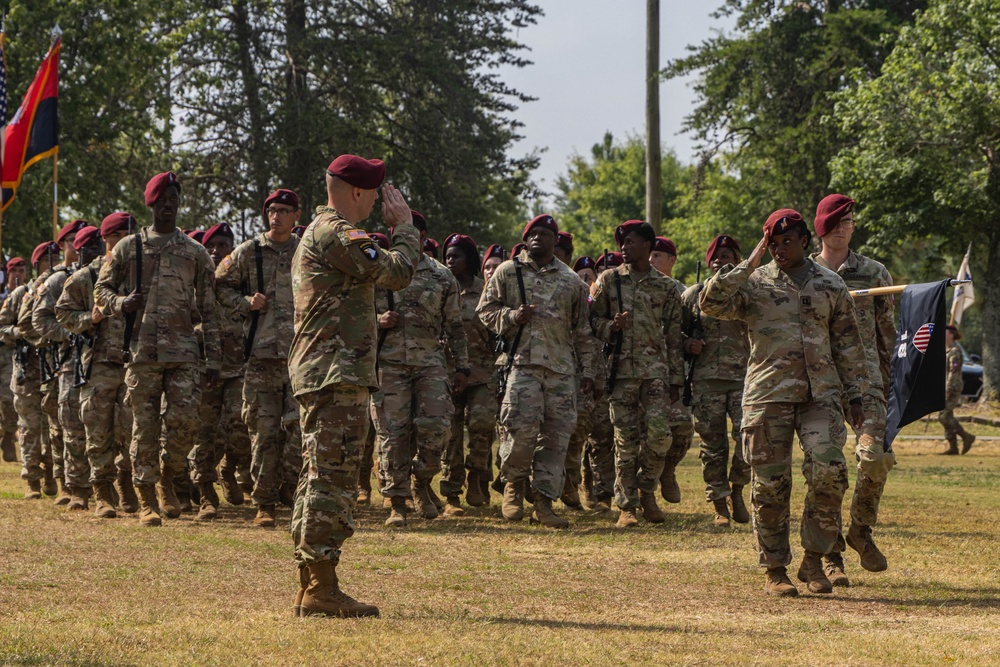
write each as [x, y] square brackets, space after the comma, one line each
[162, 396]
[412, 416]
[334, 426]
[54, 436]
[768, 431]
[220, 429]
[711, 406]
[538, 415]
[367, 464]
[30, 422]
[77, 466]
[578, 441]
[952, 427]
[642, 437]
[107, 421]
[8, 415]
[599, 452]
[874, 463]
[271, 414]
[475, 409]
[681, 430]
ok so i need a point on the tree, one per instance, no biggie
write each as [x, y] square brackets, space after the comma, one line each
[926, 157]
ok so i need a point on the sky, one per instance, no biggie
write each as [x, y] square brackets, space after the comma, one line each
[589, 76]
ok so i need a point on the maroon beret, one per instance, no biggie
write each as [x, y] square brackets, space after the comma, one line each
[282, 196]
[545, 220]
[462, 241]
[196, 234]
[70, 228]
[516, 250]
[564, 240]
[430, 245]
[419, 221]
[117, 221]
[221, 229]
[721, 241]
[84, 236]
[357, 171]
[626, 228]
[829, 212]
[607, 260]
[951, 327]
[14, 262]
[663, 244]
[299, 229]
[41, 249]
[495, 250]
[157, 184]
[782, 221]
[381, 239]
[584, 262]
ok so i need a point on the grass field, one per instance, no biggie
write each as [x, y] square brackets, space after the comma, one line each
[77, 590]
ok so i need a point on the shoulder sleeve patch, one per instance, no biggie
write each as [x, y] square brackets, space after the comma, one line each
[368, 248]
[357, 235]
[228, 262]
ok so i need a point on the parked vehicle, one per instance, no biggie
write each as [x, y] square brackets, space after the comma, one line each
[972, 375]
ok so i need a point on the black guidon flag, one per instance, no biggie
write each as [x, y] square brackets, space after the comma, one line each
[918, 360]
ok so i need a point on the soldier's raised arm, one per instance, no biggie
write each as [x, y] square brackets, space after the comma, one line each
[726, 294]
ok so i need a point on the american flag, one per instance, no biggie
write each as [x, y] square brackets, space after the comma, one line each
[922, 338]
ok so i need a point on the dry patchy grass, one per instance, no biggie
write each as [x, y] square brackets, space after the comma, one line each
[76, 590]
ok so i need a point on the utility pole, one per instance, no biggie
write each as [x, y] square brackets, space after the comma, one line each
[654, 206]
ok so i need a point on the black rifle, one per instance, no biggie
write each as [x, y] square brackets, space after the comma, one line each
[503, 372]
[22, 350]
[697, 332]
[255, 315]
[81, 374]
[44, 370]
[619, 338]
[137, 287]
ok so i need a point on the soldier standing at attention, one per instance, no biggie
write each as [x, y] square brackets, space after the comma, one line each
[17, 272]
[805, 356]
[538, 410]
[637, 312]
[953, 396]
[331, 365]
[107, 419]
[412, 412]
[720, 366]
[834, 224]
[172, 293]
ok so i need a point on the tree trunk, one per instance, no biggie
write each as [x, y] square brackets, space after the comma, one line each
[256, 152]
[991, 320]
[654, 179]
[300, 169]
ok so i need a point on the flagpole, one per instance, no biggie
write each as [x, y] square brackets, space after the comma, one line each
[55, 195]
[896, 289]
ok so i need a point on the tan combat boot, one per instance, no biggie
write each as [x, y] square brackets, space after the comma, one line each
[811, 573]
[952, 446]
[627, 519]
[34, 491]
[364, 490]
[182, 488]
[422, 502]
[169, 502]
[513, 501]
[208, 508]
[126, 492]
[149, 511]
[323, 597]
[105, 501]
[603, 505]
[669, 488]
[48, 481]
[397, 515]
[721, 513]
[435, 499]
[571, 497]
[78, 499]
[860, 539]
[474, 491]
[967, 440]
[651, 512]
[265, 516]
[587, 498]
[544, 515]
[303, 582]
[231, 489]
[738, 507]
[833, 566]
[776, 582]
[453, 506]
[386, 502]
[63, 496]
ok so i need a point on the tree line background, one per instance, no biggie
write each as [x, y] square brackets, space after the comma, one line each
[894, 102]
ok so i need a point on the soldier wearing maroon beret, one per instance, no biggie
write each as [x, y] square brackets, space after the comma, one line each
[492, 258]
[431, 247]
[516, 250]
[16, 273]
[663, 256]
[564, 248]
[381, 239]
[586, 268]
[299, 230]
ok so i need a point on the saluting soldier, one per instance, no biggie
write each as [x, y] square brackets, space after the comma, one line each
[171, 291]
[332, 365]
[834, 223]
[538, 410]
[637, 312]
[720, 358]
[805, 357]
[106, 416]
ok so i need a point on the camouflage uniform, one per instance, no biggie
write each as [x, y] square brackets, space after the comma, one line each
[952, 397]
[805, 356]
[270, 411]
[599, 451]
[8, 416]
[717, 392]
[164, 372]
[331, 366]
[678, 414]
[650, 362]
[28, 393]
[412, 412]
[878, 335]
[107, 420]
[43, 319]
[538, 410]
[476, 407]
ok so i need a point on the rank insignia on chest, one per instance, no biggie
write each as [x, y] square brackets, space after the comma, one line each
[369, 250]
[806, 300]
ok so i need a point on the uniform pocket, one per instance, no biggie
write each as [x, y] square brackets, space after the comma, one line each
[755, 443]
